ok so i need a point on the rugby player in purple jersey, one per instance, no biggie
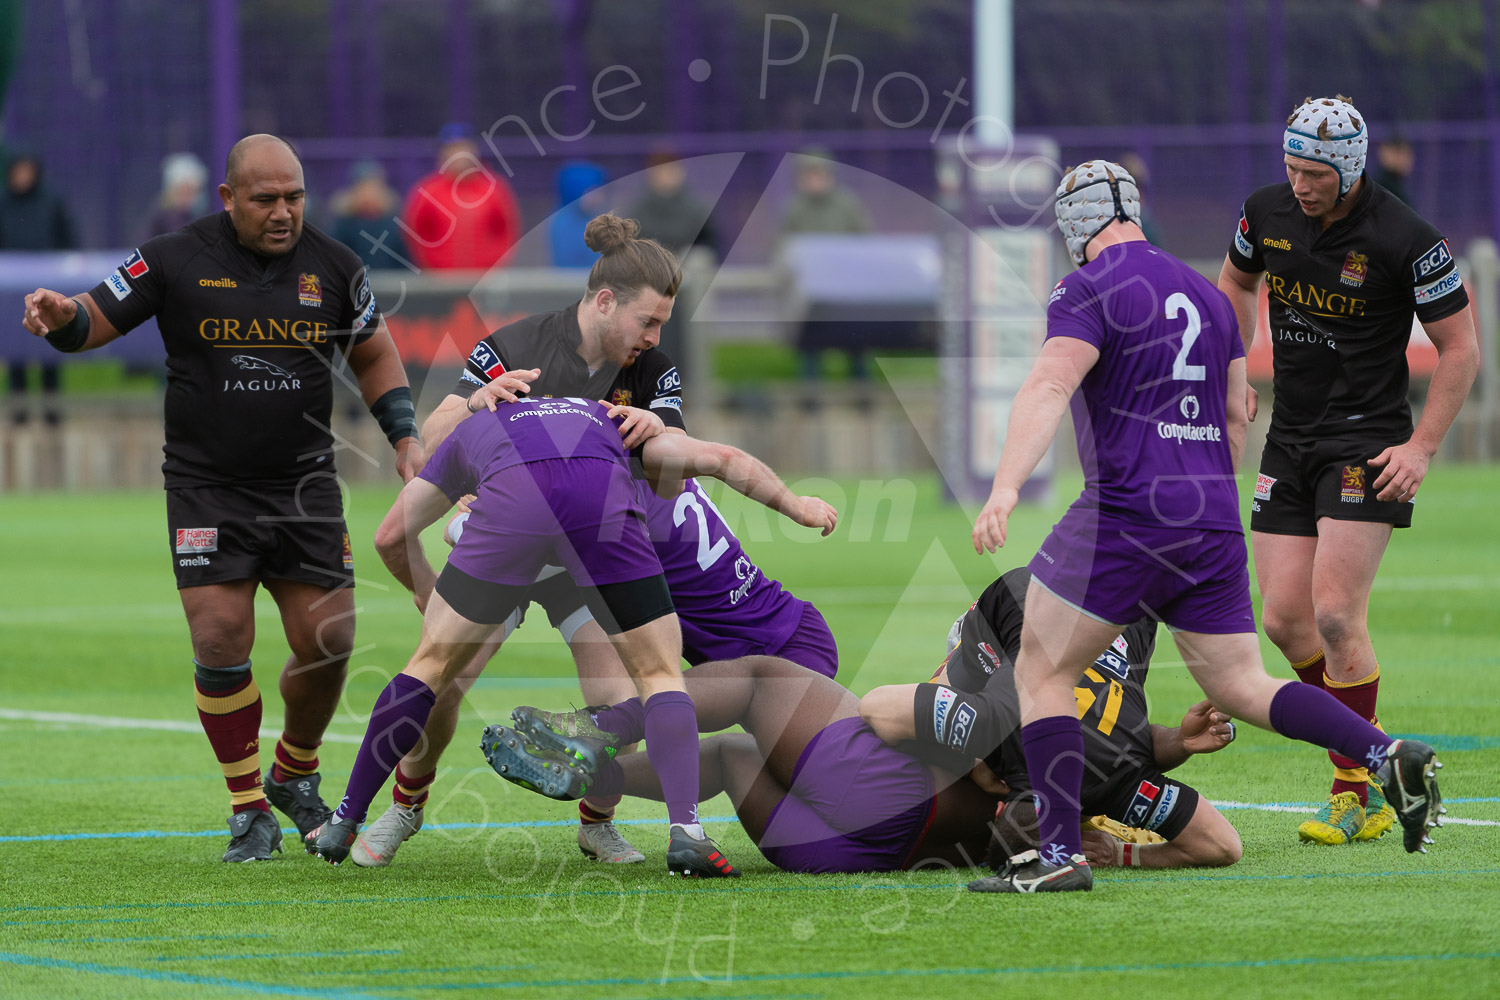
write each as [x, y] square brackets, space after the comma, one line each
[555, 486]
[1149, 353]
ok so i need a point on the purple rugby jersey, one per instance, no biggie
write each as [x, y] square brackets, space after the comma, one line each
[1150, 415]
[517, 433]
[727, 606]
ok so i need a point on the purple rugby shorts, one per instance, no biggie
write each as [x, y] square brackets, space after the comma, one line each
[1195, 580]
[856, 805]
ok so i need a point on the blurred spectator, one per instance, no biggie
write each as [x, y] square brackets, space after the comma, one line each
[578, 201]
[669, 213]
[184, 194]
[463, 215]
[364, 217]
[1396, 162]
[32, 217]
[821, 206]
[1137, 166]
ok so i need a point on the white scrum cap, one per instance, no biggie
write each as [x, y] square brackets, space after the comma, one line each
[1329, 130]
[1090, 197]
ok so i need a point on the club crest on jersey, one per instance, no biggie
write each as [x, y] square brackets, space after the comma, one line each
[621, 397]
[1263, 484]
[1352, 488]
[197, 540]
[135, 265]
[348, 553]
[1140, 805]
[309, 290]
[487, 360]
[1356, 268]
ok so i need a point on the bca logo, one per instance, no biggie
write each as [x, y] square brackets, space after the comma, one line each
[1432, 260]
[670, 382]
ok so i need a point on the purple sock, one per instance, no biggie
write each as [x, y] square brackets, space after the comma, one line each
[396, 724]
[1054, 760]
[1303, 712]
[672, 744]
[626, 720]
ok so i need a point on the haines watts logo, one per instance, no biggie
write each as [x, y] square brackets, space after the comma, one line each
[309, 290]
[197, 539]
[275, 377]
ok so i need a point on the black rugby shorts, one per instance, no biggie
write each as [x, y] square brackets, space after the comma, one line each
[1299, 483]
[219, 534]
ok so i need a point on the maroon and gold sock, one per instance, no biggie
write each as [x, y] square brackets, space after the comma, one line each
[1310, 670]
[293, 760]
[1359, 697]
[229, 707]
[411, 792]
[599, 813]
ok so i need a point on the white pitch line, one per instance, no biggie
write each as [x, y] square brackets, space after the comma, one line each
[160, 725]
[1282, 808]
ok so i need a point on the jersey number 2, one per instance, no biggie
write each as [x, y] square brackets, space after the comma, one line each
[688, 501]
[1181, 370]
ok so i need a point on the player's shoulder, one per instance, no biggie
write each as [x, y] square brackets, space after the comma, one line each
[335, 253]
[1402, 231]
[180, 246]
[527, 332]
[656, 373]
[1007, 595]
[1269, 199]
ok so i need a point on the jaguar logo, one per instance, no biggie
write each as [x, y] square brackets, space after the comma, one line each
[248, 363]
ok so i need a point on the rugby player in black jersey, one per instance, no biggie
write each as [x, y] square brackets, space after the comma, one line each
[1347, 265]
[970, 709]
[259, 315]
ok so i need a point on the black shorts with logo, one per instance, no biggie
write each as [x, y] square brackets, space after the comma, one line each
[1299, 483]
[218, 534]
[1144, 798]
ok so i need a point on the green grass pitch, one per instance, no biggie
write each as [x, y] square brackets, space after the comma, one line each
[493, 899]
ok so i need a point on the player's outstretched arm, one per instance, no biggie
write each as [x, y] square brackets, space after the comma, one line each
[398, 539]
[674, 457]
[1034, 418]
[377, 367]
[70, 325]
[455, 409]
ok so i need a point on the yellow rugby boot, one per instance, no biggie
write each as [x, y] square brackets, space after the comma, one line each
[1379, 815]
[1119, 831]
[1338, 822]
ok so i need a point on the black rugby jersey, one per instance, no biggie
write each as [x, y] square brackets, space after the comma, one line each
[549, 341]
[1111, 696]
[250, 341]
[1341, 307]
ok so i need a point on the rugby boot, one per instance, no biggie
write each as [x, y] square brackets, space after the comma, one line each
[1027, 872]
[572, 734]
[1338, 822]
[1379, 816]
[376, 845]
[332, 840]
[1119, 831]
[694, 858]
[253, 835]
[543, 771]
[1408, 778]
[300, 800]
[603, 843]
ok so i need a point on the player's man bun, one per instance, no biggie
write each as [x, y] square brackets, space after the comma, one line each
[626, 264]
[609, 233]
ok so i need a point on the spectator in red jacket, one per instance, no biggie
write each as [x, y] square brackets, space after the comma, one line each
[463, 215]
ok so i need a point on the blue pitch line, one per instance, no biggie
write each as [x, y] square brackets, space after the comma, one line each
[95, 920]
[1014, 970]
[240, 985]
[164, 937]
[274, 954]
[811, 886]
[422, 970]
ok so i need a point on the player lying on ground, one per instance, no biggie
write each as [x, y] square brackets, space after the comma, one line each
[727, 606]
[554, 486]
[812, 784]
[971, 710]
